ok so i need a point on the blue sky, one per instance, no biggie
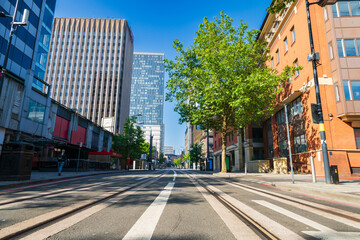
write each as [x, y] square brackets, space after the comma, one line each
[156, 24]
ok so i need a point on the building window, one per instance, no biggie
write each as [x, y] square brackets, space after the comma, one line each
[334, 10]
[36, 111]
[283, 149]
[269, 135]
[300, 144]
[325, 14]
[340, 47]
[344, 8]
[331, 52]
[280, 118]
[337, 96]
[296, 64]
[357, 137]
[286, 44]
[347, 47]
[277, 56]
[295, 108]
[350, 49]
[272, 63]
[258, 154]
[355, 87]
[355, 8]
[347, 90]
[293, 34]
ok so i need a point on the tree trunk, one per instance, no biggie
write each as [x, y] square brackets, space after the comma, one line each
[223, 147]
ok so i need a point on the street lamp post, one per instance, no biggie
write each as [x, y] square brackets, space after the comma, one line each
[314, 58]
[12, 30]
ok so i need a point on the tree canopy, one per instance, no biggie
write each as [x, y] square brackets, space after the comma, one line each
[222, 81]
[195, 153]
[278, 5]
[132, 138]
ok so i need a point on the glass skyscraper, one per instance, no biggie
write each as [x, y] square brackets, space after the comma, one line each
[147, 95]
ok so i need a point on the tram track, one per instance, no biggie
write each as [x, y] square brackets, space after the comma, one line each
[326, 209]
[288, 199]
[343, 217]
[259, 230]
[26, 227]
[47, 194]
[6, 202]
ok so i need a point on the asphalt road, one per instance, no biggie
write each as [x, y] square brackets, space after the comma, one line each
[170, 204]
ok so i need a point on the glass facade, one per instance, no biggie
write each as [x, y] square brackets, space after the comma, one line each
[44, 44]
[36, 111]
[147, 88]
[24, 38]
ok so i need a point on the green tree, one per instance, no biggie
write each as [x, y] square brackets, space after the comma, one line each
[278, 5]
[132, 138]
[161, 158]
[195, 153]
[186, 157]
[177, 162]
[145, 148]
[222, 81]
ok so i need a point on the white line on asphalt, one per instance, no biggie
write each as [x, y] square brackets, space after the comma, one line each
[293, 215]
[146, 224]
[323, 233]
[138, 179]
[275, 228]
[67, 222]
[290, 201]
[42, 198]
[175, 174]
[239, 229]
[39, 194]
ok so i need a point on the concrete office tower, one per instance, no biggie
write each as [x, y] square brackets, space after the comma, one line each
[90, 66]
[147, 95]
[169, 150]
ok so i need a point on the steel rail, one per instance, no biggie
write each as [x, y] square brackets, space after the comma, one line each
[254, 225]
[296, 201]
[28, 230]
[288, 198]
[56, 192]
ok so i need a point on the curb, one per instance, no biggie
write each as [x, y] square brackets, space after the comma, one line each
[22, 184]
[318, 193]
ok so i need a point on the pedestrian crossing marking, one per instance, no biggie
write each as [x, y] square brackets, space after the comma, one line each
[323, 233]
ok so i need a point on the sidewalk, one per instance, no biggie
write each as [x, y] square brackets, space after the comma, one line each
[347, 191]
[42, 177]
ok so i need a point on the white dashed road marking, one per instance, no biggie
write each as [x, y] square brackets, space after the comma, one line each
[146, 224]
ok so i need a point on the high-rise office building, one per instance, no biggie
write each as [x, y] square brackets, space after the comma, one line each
[147, 95]
[169, 150]
[90, 66]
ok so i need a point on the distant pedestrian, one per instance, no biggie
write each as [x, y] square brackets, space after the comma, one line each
[61, 161]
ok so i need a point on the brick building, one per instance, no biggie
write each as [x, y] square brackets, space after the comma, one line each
[336, 31]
